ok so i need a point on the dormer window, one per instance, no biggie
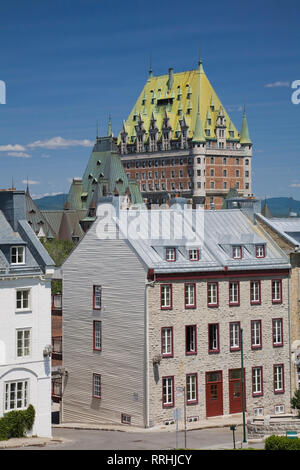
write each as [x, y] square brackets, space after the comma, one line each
[18, 255]
[170, 254]
[260, 251]
[237, 252]
[194, 255]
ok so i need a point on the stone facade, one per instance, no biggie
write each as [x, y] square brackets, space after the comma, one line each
[181, 364]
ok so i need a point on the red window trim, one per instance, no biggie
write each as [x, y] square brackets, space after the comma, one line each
[264, 251]
[172, 344]
[256, 302]
[277, 345]
[282, 390]
[192, 402]
[260, 335]
[241, 252]
[175, 254]
[237, 348]
[168, 405]
[217, 303]
[234, 304]
[94, 330]
[279, 301]
[123, 418]
[97, 396]
[94, 306]
[214, 351]
[194, 305]
[198, 254]
[258, 394]
[190, 353]
[171, 297]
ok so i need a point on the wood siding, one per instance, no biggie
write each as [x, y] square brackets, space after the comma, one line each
[121, 363]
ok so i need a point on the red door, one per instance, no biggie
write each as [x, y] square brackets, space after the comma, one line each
[214, 393]
[235, 391]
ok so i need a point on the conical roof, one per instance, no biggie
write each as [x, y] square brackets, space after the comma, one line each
[245, 137]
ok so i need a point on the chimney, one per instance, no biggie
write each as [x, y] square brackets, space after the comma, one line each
[12, 204]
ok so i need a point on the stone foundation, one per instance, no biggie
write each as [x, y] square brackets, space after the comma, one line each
[261, 428]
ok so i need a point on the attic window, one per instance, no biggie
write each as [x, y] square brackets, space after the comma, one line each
[194, 255]
[17, 255]
[237, 252]
[170, 254]
[99, 162]
[260, 251]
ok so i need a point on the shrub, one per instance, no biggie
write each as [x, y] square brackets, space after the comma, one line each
[16, 423]
[295, 401]
[282, 443]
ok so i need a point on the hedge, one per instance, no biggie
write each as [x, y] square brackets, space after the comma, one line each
[16, 423]
[282, 443]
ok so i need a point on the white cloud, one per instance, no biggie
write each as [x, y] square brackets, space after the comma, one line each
[295, 185]
[60, 142]
[45, 155]
[30, 182]
[277, 84]
[19, 154]
[11, 148]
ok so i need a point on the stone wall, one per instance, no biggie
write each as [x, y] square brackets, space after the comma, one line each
[268, 426]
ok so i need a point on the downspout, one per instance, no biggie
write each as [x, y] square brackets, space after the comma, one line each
[146, 358]
[290, 350]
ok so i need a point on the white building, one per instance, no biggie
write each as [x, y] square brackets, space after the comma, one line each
[25, 315]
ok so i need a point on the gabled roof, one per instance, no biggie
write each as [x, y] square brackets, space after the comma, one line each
[287, 227]
[35, 217]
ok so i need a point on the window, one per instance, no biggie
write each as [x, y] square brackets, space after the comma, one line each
[168, 391]
[224, 185]
[170, 254]
[23, 343]
[237, 252]
[277, 332]
[234, 334]
[96, 385]
[234, 293]
[194, 255]
[190, 295]
[212, 185]
[257, 387]
[255, 292]
[260, 251]
[97, 335]
[191, 389]
[256, 339]
[237, 173]
[16, 395]
[166, 296]
[212, 294]
[191, 339]
[17, 255]
[167, 341]
[97, 295]
[125, 419]
[278, 378]
[212, 173]
[213, 338]
[23, 299]
[276, 291]
[225, 173]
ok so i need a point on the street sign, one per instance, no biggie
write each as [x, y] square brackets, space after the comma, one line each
[180, 391]
[177, 414]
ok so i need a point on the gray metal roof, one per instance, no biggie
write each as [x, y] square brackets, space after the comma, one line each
[288, 227]
[213, 232]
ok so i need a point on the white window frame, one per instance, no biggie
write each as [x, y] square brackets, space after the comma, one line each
[194, 254]
[22, 308]
[13, 396]
[168, 388]
[257, 381]
[190, 295]
[191, 388]
[97, 392]
[24, 350]
[256, 334]
[278, 372]
[170, 254]
[234, 335]
[167, 341]
[255, 287]
[277, 327]
[237, 252]
[234, 288]
[212, 294]
[17, 254]
[166, 296]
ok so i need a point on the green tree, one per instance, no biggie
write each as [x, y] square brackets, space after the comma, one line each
[295, 401]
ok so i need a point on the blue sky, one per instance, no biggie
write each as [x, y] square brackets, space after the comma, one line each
[69, 64]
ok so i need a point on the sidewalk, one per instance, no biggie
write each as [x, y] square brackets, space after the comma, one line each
[29, 441]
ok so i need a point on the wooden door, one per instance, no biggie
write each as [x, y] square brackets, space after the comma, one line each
[214, 393]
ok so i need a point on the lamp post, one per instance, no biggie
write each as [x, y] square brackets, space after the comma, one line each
[243, 388]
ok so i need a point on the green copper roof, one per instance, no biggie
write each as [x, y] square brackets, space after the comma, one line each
[198, 132]
[245, 137]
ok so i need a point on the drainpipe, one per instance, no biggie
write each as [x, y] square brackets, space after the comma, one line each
[289, 329]
[146, 358]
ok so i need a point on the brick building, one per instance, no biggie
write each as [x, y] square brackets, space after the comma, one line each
[151, 314]
[178, 138]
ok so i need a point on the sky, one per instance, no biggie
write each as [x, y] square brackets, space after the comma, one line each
[67, 65]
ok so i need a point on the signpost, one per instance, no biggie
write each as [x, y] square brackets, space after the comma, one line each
[180, 392]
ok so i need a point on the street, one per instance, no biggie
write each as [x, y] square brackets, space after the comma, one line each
[209, 439]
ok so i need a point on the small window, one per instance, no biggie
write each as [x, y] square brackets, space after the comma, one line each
[190, 295]
[23, 299]
[234, 293]
[23, 343]
[18, 255]
[170, 254]
[16, 395]
[213, 338]
[257, 381]
[97, 335]
[125, 419]
[191, 339]
[96, 385]
[194, 255]
[255, 292]
[97, 297]
[212, 294]
[260, 251]
[192, 389]
[168, 392]
[234, 335]
[237, 252]
[278, 378]
[277, 332]
[256, 334]
[276, 291]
